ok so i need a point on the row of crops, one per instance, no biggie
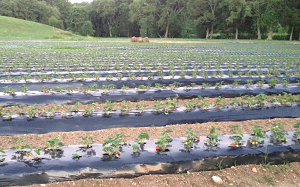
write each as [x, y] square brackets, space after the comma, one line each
[87, 86]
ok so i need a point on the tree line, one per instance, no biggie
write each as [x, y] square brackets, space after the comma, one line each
[238, 19]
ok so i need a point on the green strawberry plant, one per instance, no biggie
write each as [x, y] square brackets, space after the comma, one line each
[31, 113]
[272, 82]
[236, 82]
[125, 108]
[9, 90]
[297, 133]
[170, 105]
[141, 108]
[205, 105]
[25, 88]
[136, 148]
[158, 86]
[124, 88]
[34, 153]
[189, 105]
[20, 146]
[76, 156]
[53, 143]
[213, 137]
[234, 103]
[142, 88]
[237, 136]
[158, 106]
[279, 133]
[112, 144]
[286, 82]
[87, 141]
[261, 98]
[108, 107]
[258, 134]
[219, 102]
[163, 142]
[7, 114]
[88, 110]
[2, 151]
[205, 85]
[287, 99]
[141, 137]
[218, 85]
[260, 83]
[191, 137]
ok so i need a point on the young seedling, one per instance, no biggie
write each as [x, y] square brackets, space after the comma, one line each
[53, 144]
[258, 134]
[213, 137]
[237, 136]
[278, 133]
[112, 144]
[142, 136]
[297, 133]
[163, 142]
[87, 141]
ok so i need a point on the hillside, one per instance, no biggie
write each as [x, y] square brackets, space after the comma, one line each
[17, 29]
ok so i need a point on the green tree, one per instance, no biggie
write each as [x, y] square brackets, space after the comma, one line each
[87, 28]
[258, 7]
[239, 10]
[144, 13]
[77, 16]
[290, 16]
[204, 13]
[52, 21]
[168, 11]
[271, 15]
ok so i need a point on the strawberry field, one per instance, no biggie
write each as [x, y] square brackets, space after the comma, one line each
[122, 92]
